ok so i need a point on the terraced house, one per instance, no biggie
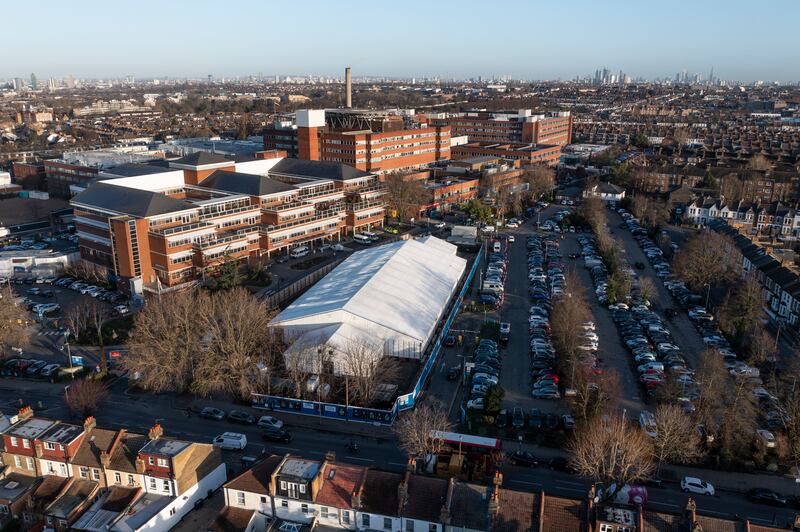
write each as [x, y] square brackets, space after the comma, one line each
[166, 227]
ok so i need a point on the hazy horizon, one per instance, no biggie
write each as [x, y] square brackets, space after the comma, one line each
[461, 40]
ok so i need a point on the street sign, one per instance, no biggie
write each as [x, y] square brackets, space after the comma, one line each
[77, 360]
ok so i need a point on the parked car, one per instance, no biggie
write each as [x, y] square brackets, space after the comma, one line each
[523, 458]
[517, 418]
[49, 370]
[238, 416]
[276, 435]
[270, 422]
[210, 412]
[766, 496]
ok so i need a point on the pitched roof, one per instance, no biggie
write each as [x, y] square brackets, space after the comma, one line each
[120, 498]
[469, 507]
[250, 184]
[125, 200]
[231, 520]
[201, 158]
[317, 170]
[341, 481]
[517, 512]
[88, 453]
[564, 515]
[380, 492]
[257, 478]
[123, 456]
[134, 169]
[426, 496]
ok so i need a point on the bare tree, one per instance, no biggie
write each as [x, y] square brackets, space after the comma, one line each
[706, 259]
[300, 361]
[77, 319]
[677, 440]
[418, 431]
[84, 396]
[759, 162]
[740, 315]
[238, 334]
[13, 332]
[404, 195]
[647, 289]
[367, 368]
[566, 322]
[594, 394]
[96, 316]
[541, 180]
[610, 449]
[167, 338]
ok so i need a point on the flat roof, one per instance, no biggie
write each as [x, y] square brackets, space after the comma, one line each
[61, 433]
[165, 447]
[297, 467]
[30, 428]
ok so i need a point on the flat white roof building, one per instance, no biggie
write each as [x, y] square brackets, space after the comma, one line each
[382, 301]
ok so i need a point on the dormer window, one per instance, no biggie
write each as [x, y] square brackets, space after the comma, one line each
[49, 446]
[26, 443]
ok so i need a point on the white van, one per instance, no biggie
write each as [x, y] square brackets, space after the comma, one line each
[497, 287]
[362, 239]
[302, 251]
[497, 247]
[232, 441]
[372, 236]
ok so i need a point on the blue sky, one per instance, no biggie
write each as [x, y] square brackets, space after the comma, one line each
[524, 39]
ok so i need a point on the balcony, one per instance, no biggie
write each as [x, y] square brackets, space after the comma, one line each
[234, 237]
[287, 206]
[330, 213]
[230, 212]
[363, 205]
[321, 193]
[167, 231]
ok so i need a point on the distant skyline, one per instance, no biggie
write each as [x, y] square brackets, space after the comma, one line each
[522, 39]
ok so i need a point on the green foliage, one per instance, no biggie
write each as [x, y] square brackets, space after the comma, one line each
[494, 398]
[230, 274]
[709, 181]
[620, 175]
[640, 141]
[476, 210]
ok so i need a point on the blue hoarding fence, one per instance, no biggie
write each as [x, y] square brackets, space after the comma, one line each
[373, 415]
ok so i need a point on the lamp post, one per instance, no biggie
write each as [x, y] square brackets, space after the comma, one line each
[708, 292]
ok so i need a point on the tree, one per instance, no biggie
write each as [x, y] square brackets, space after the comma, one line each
[731, 187]
[610, 449]
[238, 335]
[594, 394]
[478, 211]
[759, 162]
[367, 368]
[13, 332]
[96, 316]
[680, 137]
[404, 195]
[647, 289]
[676, 440]
[541, 180]
[418, 431]
[494, 398]
[640, 140]
[230, 272]
[84, 396]
[167, 338]
[705, 260]
[566, 321]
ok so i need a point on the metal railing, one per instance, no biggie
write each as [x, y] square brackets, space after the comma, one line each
[179, 228]
[330, 213]
[229, 212]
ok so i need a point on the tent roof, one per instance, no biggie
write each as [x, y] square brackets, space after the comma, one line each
[403, 287]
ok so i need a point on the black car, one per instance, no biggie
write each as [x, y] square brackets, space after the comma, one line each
[535, 419]
[765, 496]
[559, 463]
[523, 458]
[278, 435]
[449, 340]
[453, 373]
[502, 419]
[551, 421]
[237, 416]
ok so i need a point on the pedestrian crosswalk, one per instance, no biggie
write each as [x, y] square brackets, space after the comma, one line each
[49, 333]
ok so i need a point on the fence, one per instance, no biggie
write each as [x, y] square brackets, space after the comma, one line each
[277, 298]
[372, 415]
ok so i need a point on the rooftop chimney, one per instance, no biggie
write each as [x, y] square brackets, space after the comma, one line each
[26, 412]
[89, 423]
[348, 87]
[156, 432]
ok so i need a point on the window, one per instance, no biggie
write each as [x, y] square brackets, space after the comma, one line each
[13, 441]
[165, 486]
[117, 478]
[172, 511]
[49, 446]
[283, 484]
[346, 517]
[263, 500]
[284, 504]
[162, 462]
[130, 480]
[153, 484]
[150, 460]
[302, 488]
[17, 461]
[95, 474]
[324, 512]
[433, 528]
[240, 498]
[26, 443]
[409, 525]
[4, 509]
[365, 520]
[304, 508]
[387, 523]
[84, 472]
[31, 464]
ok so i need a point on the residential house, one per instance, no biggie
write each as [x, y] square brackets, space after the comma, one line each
[119, 461]
[379, 498]
[86, 463]
[605, 191]
[422, 503]
[48, 490]
[111, 506]
[56, 447]
[15, 492]
[77, 496]
[19, 453]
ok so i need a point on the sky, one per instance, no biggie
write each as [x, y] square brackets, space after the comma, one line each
[533, 39]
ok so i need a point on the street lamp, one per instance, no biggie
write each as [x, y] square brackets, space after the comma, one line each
[708, 292]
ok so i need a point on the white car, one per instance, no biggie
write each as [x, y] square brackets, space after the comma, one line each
[696, 485]
[269, 422]
[512, 224]
[476, 404]
[337, 247]
[505, 328]
[766, 438]
[511, 238]
[618, 306]
[440, 225]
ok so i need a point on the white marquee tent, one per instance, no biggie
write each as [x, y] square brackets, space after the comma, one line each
[389, 298]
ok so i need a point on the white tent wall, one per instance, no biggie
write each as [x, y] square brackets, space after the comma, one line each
[394, 294]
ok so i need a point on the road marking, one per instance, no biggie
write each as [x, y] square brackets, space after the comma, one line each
[525, 482]
[288, 448]
[396, 464]
[569, 483]
[357, 458]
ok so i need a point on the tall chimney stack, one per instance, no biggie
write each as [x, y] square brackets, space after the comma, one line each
[348, 87]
